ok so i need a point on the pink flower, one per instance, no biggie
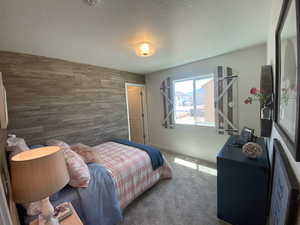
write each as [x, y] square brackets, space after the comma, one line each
[254, 91]
[258, 95]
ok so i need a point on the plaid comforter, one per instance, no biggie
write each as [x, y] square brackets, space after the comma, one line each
[131, 169]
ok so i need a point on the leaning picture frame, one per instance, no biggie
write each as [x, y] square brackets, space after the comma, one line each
[285, 189]
[287, 92]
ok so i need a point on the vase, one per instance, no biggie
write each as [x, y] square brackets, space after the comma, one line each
[266, 113]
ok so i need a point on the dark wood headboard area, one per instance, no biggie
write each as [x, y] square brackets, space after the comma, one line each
[52, 98]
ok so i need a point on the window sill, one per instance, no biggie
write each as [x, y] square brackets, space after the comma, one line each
[195, 125]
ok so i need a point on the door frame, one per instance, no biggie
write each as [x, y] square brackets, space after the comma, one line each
[143, 86]
[5, 216]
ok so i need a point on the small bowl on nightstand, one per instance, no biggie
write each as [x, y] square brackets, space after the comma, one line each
[252, 150]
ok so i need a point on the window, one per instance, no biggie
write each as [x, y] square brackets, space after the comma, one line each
[194, 101]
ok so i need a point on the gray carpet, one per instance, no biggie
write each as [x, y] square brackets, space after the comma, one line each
[187, 199]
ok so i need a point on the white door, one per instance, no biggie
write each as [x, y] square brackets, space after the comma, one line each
[136, 114]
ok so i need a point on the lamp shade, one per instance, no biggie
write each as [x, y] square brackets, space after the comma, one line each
[36, 174]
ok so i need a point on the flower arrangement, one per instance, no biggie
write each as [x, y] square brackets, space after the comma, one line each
[258, 95]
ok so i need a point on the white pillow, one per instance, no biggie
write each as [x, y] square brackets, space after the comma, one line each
[16, 145]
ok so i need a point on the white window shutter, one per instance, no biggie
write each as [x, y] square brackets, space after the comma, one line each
[166, 90]
[226, 101]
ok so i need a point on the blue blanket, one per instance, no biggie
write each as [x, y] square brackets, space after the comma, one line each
[95, 205]
[155, 155]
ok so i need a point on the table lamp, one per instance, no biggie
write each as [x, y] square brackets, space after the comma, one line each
[36, 174]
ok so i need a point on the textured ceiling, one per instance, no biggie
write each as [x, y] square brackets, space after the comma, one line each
[182, 31]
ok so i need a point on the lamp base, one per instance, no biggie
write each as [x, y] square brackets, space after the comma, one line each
[51, 221]
[47, 213]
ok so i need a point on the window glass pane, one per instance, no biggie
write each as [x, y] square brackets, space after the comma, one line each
[184, 102]
[204, 113]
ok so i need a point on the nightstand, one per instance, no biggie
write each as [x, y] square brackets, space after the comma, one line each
[243, 185]
[71, 220]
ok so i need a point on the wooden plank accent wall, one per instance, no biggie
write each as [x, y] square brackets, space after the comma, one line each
[52, 98]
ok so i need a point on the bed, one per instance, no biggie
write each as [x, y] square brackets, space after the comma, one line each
[131, 169]
[102, 202]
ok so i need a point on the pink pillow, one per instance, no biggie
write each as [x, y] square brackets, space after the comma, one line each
[88, 154]
[59, 143]
[78, 170]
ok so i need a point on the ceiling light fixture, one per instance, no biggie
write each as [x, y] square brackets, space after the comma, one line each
[144, 49]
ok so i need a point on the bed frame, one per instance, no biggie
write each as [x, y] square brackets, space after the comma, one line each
[8, 211]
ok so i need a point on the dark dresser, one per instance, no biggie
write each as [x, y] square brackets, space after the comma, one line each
[243, 185]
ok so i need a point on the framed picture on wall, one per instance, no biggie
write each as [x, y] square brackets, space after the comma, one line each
[287, 92]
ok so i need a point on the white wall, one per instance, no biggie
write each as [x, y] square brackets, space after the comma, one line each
[196, 141]
[276, 6]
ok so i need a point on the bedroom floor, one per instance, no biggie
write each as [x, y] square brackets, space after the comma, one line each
[190, 198]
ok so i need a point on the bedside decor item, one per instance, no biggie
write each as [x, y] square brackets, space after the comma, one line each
[37, 174]
[285, 189]
[287, 92]
[62, 211]
[73, 219]
[247, 134]
[252, 150]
